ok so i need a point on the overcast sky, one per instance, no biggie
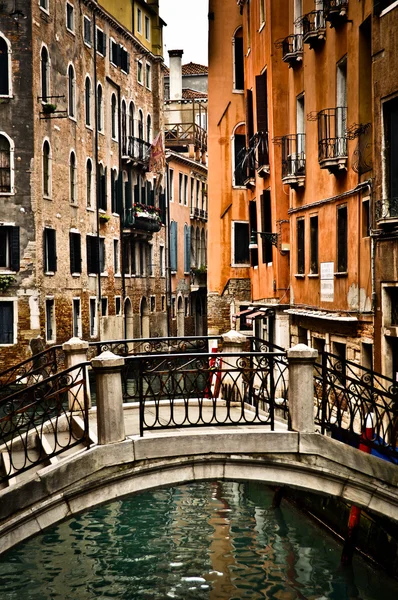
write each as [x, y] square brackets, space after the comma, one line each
[186, 29]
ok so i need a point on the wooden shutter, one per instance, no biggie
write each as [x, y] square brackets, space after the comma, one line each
[239, 65]
[173, 246]
[261, 102]
[266, 218]
[249, 116]
[136, 194]
[14, 249]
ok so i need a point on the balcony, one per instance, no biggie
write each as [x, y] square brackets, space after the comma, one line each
[314, 28]
[136, 150]
[293, 159]
[332, 138]
[292, 49]
[387, 211]
[143, 218]
[198, 279]
[335, 11]
[180, 136]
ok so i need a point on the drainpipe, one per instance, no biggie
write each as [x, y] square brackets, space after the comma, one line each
[167, 253]
[96, 156]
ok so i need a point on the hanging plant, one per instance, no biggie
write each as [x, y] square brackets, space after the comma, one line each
[49, 108]
[104, 218]
[6, 281]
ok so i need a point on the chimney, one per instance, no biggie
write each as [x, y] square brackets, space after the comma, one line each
[175, 74]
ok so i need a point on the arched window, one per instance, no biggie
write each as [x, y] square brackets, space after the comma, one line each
[114, 117]
[5, 68]
[89, 183]
[124, 129]
[140, 125]
[46, 169]
[45, 74]
[202, 249]
[71, 92]
[131, 119]
[149, 128]
[239, 78]
[239, 164]
[72, 178]
[87, 96]
[187, 248]
[100, 108]
[6, 159]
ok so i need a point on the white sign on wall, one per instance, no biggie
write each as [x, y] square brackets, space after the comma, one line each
[327, 282]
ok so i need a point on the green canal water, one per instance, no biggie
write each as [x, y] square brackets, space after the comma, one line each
[218, 540]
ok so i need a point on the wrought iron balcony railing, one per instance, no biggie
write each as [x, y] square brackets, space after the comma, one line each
[136, 149]
[149, 220]
[386, 209]
[332, 138]
[293, 159]
[292, 49]
[185, 134]
[335, 11]
[314, 28]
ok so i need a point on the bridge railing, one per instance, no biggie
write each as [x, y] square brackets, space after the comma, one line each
[191, 390]
[154, 345]
[350, 397]
[42, 420]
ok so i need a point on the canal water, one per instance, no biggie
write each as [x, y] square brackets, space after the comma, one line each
[209, 540]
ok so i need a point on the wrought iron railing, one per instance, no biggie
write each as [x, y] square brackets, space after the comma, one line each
[293, 155]
[161, 345]
[332, 139]
[333, 6]
[349, 396]
[37, 423]
[292, 47]
[386, 208]
[136, 149]
[33, 369]
[314, 26]
[191, 390]
[141, 220]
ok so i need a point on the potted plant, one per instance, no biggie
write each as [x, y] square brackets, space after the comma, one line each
[49, 108]
[6, 281]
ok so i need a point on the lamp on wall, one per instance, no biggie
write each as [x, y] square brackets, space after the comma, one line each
[270, 237]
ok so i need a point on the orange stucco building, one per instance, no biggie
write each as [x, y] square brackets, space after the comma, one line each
[301, 146]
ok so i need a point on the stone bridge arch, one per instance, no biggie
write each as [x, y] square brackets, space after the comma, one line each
[104, 473]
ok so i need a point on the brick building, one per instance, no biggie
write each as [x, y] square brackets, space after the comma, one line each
[186, 147]
[81, 233]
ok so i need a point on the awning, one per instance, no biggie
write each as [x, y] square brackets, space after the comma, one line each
[318, 314]
[256, 314]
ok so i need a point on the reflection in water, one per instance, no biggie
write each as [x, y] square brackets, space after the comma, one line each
[219, 540]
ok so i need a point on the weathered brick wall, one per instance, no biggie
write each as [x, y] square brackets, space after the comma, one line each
[219, 307]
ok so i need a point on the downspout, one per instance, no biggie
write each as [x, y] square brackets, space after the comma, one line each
[97, 187]
[167, 253]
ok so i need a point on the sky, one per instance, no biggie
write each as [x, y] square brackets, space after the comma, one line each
[186, 29]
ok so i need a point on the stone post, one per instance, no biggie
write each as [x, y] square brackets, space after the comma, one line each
[76, 353]
[301, 387]
[233, 342]
[110, 419]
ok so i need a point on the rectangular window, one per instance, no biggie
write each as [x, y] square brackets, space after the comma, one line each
[253, 227]
[390, 119]
[171, 185]
[44, 5]
[124, 60]
[76, 318]
[49, 251]
[87, 31]
[365, 218]
[147, 28]
[92, 254]
[266, 223]
[262, 12]
[104, 307]
[75, 252]
[93, 317]
[139, 20]
[70, 17]
[7, 322]
[139, 71]
[50, 320]
[148, 76]
[102, 261]
[180, 187]
[118, 306]
[153, 303]
[101, 42]
[300, 246]
[314, 265]
[342, 239]
[163, 303]
[240, 248]
[192, 195]
[185, 190]
[238, 62]
[239, 174]
[114, 51]
[173, 246]
[161, 261]
[9, 248]
[116, 257]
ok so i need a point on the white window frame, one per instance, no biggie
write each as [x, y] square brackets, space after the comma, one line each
[96, 40]
[111, 42]
[72, 6]
[45, 8]
[79, 320]
[238, 187]
[12, 171]
[140, 64]
[147, 28]
[116, 257]
[14, 300]
[93, 332]
[90, 43]
[114, 119]
[101, 128]
[73, 114]
[90, 124]
[162, 260]
[118, 313]
[73, 199]
[53, 321]
[49, 195]
[233, 264]
[48, 90]
[139, 20]
[171, 184]
[90, 206]
[104, 302]
[9, 52]
[148, 76]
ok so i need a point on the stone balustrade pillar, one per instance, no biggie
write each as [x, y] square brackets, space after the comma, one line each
[110, 419]
[234, 343]
[301, 387]
[76, 353]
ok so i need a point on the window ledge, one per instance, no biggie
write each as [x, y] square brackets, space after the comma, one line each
[47, 197]
[389, 8]
[236, 91]
[104, 274]
[49, 273]
[72, 118]
[90, 209]
[92, 274]
[76, 274]
[261, 27]
[244, 266]
[89, 45]
[71, 31]
[341, 274]
[7, 193]
[313, 275]
[118, 275]
[7, 272]
[299, 275]
[89, 127]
